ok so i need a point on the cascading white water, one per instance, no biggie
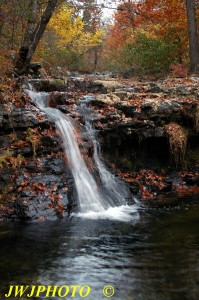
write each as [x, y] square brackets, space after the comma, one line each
[116, 191]
[93, 202]
[88, 193]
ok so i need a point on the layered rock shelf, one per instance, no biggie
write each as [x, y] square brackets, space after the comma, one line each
[131, 119]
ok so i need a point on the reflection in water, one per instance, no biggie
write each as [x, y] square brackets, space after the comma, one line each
[155, 258]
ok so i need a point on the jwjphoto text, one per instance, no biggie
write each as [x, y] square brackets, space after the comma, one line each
[50, 291]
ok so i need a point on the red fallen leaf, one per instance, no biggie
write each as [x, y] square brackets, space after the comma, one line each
[50, 205]
[20, 144]
[186, 190]
[24, 183]
[55, 197]
[38, 187]
[40, 183]
[60, 208]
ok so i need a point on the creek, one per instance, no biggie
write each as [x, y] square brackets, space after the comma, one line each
[107, 198]
[143, 253]
[155, 256]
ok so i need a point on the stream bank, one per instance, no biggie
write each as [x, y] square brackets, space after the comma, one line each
[131, 119]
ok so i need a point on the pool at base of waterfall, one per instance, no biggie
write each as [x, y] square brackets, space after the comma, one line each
[124, 213]
[153, 256]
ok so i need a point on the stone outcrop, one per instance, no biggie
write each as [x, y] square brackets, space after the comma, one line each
[130, 119]
[35, 181]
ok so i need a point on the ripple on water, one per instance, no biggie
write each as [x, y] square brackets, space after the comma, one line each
[124, 213]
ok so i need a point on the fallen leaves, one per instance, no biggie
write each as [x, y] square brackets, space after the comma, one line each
[148, 182]
[36, 188]
[184, 190]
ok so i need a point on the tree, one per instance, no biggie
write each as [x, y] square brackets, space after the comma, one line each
[166, 20]
[13, 14]
[170, 15]
[34, 31]
[193, 36]
[92, 18]
[66, 41]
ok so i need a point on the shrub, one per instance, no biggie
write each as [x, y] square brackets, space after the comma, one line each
[179, 70]
[149, 55]
[33, 136]
[146, 55]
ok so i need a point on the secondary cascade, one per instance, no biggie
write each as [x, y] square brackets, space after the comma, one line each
[92, 198]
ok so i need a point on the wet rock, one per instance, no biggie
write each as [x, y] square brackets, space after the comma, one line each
[166, 107]
[32, 167]
[126, 108]
[133, 89]
[191, 180]
[159, 132]
[157, 88]
[57, 166]
[181, 90]
[5, 141]
[109, 98]
[134, 114]
[101, 86]
[61, 98]
[49, 140]
[49, 85]
[109, 85]
[40, 186]
[35, 66]
[155, 132]
[23, 118]
[25, 151]
[1, 120]
[105, 100]
[22, 210]
[64, 108]
[121, 95]
[169, 106]
[83, 84]
[88, 98]
[150, 105]
[43, 191]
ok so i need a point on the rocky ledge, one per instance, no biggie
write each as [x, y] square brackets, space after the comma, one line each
[35, 181]
[136, 124]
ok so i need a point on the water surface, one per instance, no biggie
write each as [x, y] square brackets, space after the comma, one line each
[153, 257]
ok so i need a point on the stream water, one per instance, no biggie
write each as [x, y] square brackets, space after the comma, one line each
[143, 254]
[155, 257]
[107, 199]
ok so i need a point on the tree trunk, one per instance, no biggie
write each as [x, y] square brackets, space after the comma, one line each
[193, 36]
[32, 20]
[33, 35]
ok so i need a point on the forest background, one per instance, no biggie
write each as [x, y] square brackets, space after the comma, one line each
[141, 37]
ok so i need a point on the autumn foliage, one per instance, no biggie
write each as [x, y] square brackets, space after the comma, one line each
[66, 40]
[162, 22]
[143, 37]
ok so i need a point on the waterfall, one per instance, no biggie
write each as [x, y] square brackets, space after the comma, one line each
[95, 201]
[115, 190]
